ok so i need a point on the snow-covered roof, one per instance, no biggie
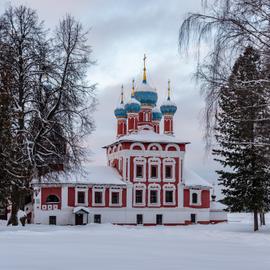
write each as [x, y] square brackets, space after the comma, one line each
[192, 179]
[120, 106]
[168, 103]
[217, 206]
[80, 208]
[145, 87]
[150, 136]
[133, 100]
[156, 109]
[91, 175]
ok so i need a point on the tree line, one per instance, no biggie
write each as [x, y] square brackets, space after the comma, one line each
[235, 82]
[45, 100]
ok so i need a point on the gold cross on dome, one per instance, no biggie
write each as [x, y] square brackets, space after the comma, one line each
[133, 88]
[144, 58]
[144, 69]
[122, 94]
[169, 89]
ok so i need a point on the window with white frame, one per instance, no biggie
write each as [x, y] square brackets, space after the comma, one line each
[98, 196]
[139, 169]
[195, 197]
[169, 169]
[81, 196]
[169, 194]
[154, 195]
[139, 195]
[154, 169]
[52, 199]
[115, 197]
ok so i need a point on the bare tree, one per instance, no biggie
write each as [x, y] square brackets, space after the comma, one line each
[64, 97]
[5, 128]
[227, 27]
[50, 99]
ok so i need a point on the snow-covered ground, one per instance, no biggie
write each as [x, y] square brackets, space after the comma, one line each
[231, 246]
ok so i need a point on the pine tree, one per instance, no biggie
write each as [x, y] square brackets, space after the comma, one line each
[242, 133]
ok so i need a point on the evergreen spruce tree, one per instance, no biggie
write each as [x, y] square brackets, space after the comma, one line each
[242, 134]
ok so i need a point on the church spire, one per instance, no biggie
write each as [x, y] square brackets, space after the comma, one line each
[122, 94]
[133, 88]
[144, 69]
[169, 90]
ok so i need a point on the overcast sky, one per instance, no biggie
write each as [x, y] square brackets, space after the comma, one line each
[121, 32]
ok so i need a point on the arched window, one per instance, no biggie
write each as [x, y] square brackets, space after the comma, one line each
[52, 199]
[194, 198]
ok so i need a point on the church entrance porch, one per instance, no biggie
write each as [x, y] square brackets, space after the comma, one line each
[81, 215]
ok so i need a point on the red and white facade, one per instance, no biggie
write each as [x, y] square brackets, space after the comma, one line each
[146, 181]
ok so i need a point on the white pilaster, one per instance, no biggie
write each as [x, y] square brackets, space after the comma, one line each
[129, 195]
[64, 191]
[180, 195]
[124, 164]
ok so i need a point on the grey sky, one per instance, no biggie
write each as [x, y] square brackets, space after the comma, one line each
[121, 32]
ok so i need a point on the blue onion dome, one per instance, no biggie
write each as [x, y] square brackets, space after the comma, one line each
[168, 107]
[120, 111]
[156, 114]
[145, 93]
[133, 105]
